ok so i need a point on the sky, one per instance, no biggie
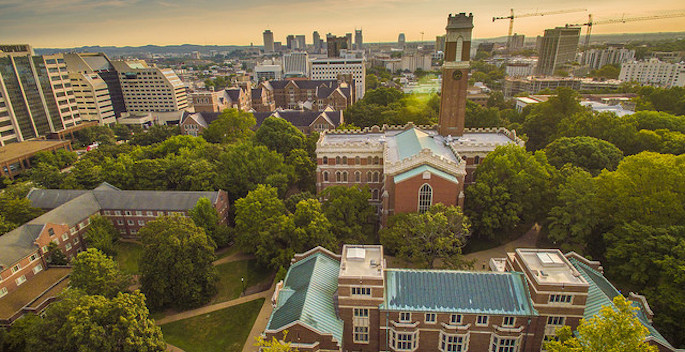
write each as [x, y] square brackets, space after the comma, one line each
[75, 23]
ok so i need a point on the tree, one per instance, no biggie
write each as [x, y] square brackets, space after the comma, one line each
[274, 345]
[231, 126]
[304, 169]
[424, 238]
[84, 175]
[102, 235]
[55, 255]
[542, 124]
[348, 210]
[176, 264]
[372, 82]
[591, 154]
[613, 329]
[204, 215]
[46, 175]
[97, 274]
[255, 214]
[155, 134]
[513, 187]
[279, 135]
[17, 210]
[610, 71]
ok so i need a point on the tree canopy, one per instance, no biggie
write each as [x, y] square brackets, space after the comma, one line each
[591, 154]
[102, 235]
[231, 126]
[348, 210]
[279, 135]
[97, 274]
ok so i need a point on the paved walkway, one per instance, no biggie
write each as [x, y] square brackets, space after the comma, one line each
[233, 258]
[260, 324]
[528, 240]
[214, 307]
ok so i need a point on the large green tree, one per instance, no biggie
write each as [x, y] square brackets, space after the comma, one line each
[280, 135]
[204, 215]
[102, 235]
[541, 125]
[425, 238]
[231, 126]
[591, 154]
[97, 274]
[17, 210]
[304, 169]
[349, 211]
[176, 264]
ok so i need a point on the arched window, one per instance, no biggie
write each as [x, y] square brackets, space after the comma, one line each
[337, 176]
[337, 160]
[476, 160]
[375, 194]
[325, 160]
[357, 176]
[425, 198]
[357, 160]
[325, 176]
[344, 176]
[368, 176]
[344, 160]
[375, 160]
[369, 160]
[375, 176]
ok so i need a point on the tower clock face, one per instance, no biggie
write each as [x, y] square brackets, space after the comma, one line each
[456, 75]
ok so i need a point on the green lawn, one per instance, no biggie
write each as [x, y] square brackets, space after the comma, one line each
[229, 285]
[233, 250]
[128, 254]
[223, 330]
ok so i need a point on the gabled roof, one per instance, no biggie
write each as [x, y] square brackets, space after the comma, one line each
[233, 94]
[299, 118]
[601, 293]
[458, 292]
[420, 170]
[52, 198]
[307, 296]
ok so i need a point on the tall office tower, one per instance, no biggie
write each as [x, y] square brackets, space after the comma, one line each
[338, 68]
[440, 43]
[301, 42]
[557, 47]
[516, 41]
[358, 39]
[290, 42]
[348, 37]
[268, 41]
[316, 39]
[92, 98]
[401, 39]
[36, 96]
[99, 63]
[334, 45]
[296, 63]
[150, 89]
[455, 73]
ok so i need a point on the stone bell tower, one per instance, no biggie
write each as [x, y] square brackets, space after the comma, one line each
[455, 70]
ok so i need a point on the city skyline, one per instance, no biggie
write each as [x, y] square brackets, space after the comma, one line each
[74, 23]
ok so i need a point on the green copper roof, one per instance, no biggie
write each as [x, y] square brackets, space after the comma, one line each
[601, 293]
[457, 291]
[412, 141]
[307, 296]
[420, 170]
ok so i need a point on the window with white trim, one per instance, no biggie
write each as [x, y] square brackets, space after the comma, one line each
[560, 298]
[38, 268]
[361, 334]
[130, 222]
[33, 257]
[45, 249]
[120, 222]
[405, 316]
[72, 230]
[65, 236]
[555, 320]
[508, 321]
[361, 312]
[482, 320]
[68, 246]
[431, 318]
[139, 213]
[20, 280]
[453, 343]
[425, 198]
[503, 344]
[76, 240]
[16, 268]
[149, 213]
[361, 291]
[141, 222]
[456, 318]
[403, 341]
[3, 291]
[117, 212]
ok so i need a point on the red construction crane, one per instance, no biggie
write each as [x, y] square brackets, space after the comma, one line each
[591, 23]
[512, 16]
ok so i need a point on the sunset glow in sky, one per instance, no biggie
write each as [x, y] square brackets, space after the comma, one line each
[73, 23]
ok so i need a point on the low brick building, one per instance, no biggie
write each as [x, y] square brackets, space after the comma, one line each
[353, 302]
[308, 94]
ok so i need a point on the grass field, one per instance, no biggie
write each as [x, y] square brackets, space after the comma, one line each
[219, 331]
[128, 254]
[230, 286]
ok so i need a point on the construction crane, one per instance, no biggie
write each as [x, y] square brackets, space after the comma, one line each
[534, 14]
[591, 23]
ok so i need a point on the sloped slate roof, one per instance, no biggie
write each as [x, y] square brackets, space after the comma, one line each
[151, 200]
[420, 170]
[18, 243]
[52, 198]
[601, 293]
[299, 118]
[307, 296]
[413, 140]
[458, 292]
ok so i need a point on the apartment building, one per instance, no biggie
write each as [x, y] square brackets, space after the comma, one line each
[150, 89]
[296, 64]
[654, 72]
[100, 64]
[611, 55]
[334, 68]
[353, 302]
[316, 95]
[36, 96]
[92, 98]
[534, 84]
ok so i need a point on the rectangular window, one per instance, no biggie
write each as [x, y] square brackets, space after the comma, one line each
[68, 246]
[51, 232]
[149, 213]
[402, 341]
[76, 240]
[120, 222]
[65, 236]
[405, 316]
[139, 213]
[508, 321]
[501, 344]
[33, 257]
[452, 343]
[482, 320]
[128, 213]
[455, 318]
[38, 268]
[361, 312]
[20, 280]
[72, 230]
[560, 298]
[3, 291]
[45, 249]
[361, 291]
[130, 222]
[361, 334]
[117, 212]
[431, 318]
[141, 222]
[160, 213]
[16, 268]
[555, 320]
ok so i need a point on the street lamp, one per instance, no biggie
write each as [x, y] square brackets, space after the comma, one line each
[242, 282]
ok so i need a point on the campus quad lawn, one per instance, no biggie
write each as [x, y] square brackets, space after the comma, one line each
[223, 330]
[128, 254]
[229, 285]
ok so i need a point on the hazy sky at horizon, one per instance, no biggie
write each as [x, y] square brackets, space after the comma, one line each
[74, 23]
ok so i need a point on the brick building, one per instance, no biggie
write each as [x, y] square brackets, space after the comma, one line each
[307, 94]
[409, 168]
[353, 302]
[217, 101]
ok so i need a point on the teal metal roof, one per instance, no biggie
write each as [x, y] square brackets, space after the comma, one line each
[421, 169]
[307, 296]
[601, 293]
[458, 292]
[413, 140]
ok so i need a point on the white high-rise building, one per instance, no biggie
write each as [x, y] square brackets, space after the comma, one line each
[597, 58]
[150, 89]
[296, 63]
[654, 72]
[332, 68]
[92, 98]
